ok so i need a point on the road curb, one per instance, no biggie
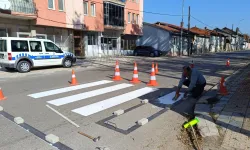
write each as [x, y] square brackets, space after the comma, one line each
[213, 115]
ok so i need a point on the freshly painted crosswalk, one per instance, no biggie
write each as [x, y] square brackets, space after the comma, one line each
[68, 89]
[82, 96]
[111, 102]
[99, 106]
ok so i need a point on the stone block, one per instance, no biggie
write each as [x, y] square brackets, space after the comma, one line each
[145, 101]
[118, 112]
[1, 108]
[142, 122]
[246, 126]
[201, 109]
[207, 127]
[224, 119]
[224, 99]
[18, 120]
[220, 104]
[52, 138]
[217, 109]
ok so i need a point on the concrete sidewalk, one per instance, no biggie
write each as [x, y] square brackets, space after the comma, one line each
[228, 120]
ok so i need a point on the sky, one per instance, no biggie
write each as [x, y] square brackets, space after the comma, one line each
[212, 13]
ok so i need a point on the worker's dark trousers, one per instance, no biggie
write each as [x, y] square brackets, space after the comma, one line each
[197, 90]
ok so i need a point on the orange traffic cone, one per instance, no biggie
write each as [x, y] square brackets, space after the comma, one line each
[1, 95]
[135, 78]
[223, 89]
[192, 64]
[73, 78]
[156, 68]
[117, 76]
[152, 81]
[228, 62]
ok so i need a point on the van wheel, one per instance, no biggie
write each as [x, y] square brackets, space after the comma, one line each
[67, 63]
[23, 66]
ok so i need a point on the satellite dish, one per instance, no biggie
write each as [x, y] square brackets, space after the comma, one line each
[5, 4]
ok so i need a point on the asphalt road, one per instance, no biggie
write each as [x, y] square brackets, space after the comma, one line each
[91, 107]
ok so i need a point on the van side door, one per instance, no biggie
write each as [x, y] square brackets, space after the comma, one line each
[53, 54]
[37, 53]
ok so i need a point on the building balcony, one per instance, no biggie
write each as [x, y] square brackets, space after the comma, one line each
[113, 16]
[121, 2]
[24, 9]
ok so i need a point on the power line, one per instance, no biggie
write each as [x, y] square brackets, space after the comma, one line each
[201, 22]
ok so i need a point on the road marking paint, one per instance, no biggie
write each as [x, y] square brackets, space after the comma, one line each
[108, 103]
[82, 96]
[67, 89]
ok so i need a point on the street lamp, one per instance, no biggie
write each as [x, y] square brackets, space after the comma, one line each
[237, 31]
[181, 26]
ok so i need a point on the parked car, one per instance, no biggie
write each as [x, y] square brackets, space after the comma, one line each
[25, 53]
[147, 51]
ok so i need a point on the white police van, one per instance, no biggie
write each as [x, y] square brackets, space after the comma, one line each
[25, 53]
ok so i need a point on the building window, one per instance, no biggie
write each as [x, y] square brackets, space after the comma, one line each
[137, 19]
[92, 9]
[133, 18]
[51, 4]
[85, 8]
[3, 33]
[92, 39]
[61, 5]
[129, 17]
[113, 15]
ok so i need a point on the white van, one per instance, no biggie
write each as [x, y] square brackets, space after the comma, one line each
[24, 53]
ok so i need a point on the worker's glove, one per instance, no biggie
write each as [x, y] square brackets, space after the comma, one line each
[176, 97]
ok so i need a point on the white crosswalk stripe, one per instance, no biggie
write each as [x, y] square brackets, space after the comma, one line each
[82, 96]
[68, 89]
[101, 105]
[108, 103]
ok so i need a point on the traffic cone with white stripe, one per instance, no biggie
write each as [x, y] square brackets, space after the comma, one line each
[2, 97]
[228, 62]
[156, 68]
[152, 81]
[223, 89]
[117, 76]
[135, 78]
[73, 78]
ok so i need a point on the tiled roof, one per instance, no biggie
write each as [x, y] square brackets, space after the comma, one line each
[168, 28]
[199, 31]
[171, 26]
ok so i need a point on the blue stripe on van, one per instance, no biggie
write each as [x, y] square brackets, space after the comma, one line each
[42, 56]
[38, 57]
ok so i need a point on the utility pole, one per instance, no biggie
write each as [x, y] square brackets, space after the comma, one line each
[181, 27]
[189, 50]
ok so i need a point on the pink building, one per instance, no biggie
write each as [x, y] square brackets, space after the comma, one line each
[86, 27]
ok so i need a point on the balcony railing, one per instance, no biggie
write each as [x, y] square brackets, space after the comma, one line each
[121, 2]
[23, 6]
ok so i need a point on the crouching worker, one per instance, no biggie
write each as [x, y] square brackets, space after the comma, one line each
[194, 80]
